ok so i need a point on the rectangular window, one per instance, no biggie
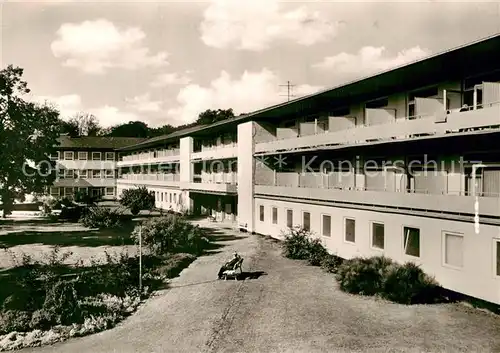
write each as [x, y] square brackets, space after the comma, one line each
[70, 174]
[110, 191]
[162, 197]
[60, 173]
[54, 192]
[453, 249]
[306, 221]
[82, 156]
[96, 174]
[350, 230]
[54, 156]
[68, 191]
[411, 241]
[326, 227]
[96, 156]
[378, 235]
[110, 174]
[289, 218]
[83, 174]
[170, 198]
[175, 198]
[261, 208]
[68, 156]
[110, 156]
[275, 215]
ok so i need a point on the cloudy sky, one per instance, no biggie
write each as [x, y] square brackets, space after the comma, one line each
[165, 62]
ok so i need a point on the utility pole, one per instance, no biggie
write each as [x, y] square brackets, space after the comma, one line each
[289, 87]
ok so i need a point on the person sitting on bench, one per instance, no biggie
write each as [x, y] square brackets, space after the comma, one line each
[230, 264]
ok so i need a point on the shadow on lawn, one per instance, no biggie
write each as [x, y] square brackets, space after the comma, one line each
[90, 238]
[217, 239]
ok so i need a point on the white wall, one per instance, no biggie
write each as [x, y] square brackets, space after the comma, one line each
[476, 277]
[246, 169]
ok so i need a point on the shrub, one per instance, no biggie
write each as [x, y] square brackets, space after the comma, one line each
[14, 320]
[363, 275]
[408, 284]
[296, 244]
[138, 199]
[170, 234]
[101, 217]
[299, 245]
[330, 263]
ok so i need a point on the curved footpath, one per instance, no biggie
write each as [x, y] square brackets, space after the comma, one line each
[294, 308]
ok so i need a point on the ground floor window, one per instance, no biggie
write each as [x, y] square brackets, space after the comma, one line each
[453, 249]
[161, 196]
[306, 221]
[170, 197]
[326, 225]
[275, 215]
[110, 191]
[411, 241]
[54, 191]
[261, 211]
[378, 235]
[289, 218]
[350, 230]
[68, 191]
[175, 198]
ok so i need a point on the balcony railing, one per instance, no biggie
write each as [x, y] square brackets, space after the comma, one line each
[148, 156]
[216, 178]
[440, 123]
[151, 177]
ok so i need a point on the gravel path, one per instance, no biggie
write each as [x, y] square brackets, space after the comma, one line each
[294, 308]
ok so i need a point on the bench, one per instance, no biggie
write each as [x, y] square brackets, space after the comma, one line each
[234, 272]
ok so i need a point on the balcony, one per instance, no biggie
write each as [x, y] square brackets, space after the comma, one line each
[438, 124]
[84, 182]
[220, 152]
[155, 157]
[219, 183]
[171, 180]
[85, 164]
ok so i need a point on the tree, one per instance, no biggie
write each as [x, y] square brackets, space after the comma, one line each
[87, 124]
[138, 199]
[69, 127]
[130, 129]
[28, 135]
[212, 116]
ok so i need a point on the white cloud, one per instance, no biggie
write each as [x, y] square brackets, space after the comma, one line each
[168, 79]
[71, 104]
[95, 46]
[67, 105]
[109, 116]
[255, 24]
[369, 60]
[144, 103]
[252, 91]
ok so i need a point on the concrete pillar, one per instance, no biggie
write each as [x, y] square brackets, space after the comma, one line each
[246, 170]
[186, 172]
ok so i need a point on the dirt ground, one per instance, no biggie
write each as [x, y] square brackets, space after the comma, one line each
[291, 307]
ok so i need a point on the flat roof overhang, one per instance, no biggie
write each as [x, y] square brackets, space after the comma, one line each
[469, 60]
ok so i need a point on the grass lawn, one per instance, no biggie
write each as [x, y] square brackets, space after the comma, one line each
[39, 238]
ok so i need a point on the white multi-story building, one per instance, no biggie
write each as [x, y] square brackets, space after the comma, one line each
[403, 164]
[87, 164]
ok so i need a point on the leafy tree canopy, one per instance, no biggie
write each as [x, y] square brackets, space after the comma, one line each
[28, 135]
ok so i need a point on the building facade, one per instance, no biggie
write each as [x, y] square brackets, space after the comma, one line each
[403, 164]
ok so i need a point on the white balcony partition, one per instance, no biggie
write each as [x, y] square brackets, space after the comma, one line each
[379, 116]
[339, 123]
[491, 93]
[428, 106]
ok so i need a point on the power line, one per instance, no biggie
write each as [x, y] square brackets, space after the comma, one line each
[289, 87]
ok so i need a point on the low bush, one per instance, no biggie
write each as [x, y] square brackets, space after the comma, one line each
[408, 284]
[363, 275]
[174, 264]
[299, 245]
[138, 199]
[405, 284]
[170, 234]
[14, 320]
[101, 217]
[330, 263]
